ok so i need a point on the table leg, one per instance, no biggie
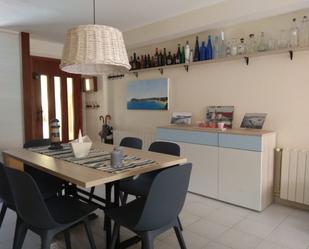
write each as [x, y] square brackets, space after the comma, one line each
[107, 220]
[117, 204]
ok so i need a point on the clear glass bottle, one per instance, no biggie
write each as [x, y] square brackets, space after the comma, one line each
[228, 49]
[294, 35]
[216, 48]
[304, 32]
[283, 39]
[262, 46]
[234, 47]
[252, 45]
[241, 49]
[222, 45]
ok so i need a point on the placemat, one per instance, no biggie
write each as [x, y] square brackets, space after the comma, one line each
[96, 159]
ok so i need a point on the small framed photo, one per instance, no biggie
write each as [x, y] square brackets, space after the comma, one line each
[183, 118]
[253, 120]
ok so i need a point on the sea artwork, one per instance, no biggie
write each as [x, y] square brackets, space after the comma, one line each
[253, 120]
[148, 94]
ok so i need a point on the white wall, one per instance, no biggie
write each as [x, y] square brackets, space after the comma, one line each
[11, 111]
[45, 48]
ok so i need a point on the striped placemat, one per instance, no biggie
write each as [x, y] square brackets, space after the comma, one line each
[96, 159]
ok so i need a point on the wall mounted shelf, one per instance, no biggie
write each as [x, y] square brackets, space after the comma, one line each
[288, 51]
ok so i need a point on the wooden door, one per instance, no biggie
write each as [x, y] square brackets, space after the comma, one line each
[55, 94]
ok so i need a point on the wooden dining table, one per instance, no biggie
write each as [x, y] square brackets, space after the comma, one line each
[81, 177]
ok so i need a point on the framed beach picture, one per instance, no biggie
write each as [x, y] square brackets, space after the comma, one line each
[253, 120]
[148, 94]
[181, 118]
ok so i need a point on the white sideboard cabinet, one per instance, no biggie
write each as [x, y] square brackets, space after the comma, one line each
[234, 166]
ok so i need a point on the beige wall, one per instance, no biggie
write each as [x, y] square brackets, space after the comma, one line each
[271, 84]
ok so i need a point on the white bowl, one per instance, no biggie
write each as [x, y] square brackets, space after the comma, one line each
[81, 149]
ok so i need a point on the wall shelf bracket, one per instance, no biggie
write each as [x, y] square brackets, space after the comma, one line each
[291, 52]
[161, 70]
[186, 68]
[247, 60]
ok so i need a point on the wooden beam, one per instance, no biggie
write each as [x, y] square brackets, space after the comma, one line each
[27, 86]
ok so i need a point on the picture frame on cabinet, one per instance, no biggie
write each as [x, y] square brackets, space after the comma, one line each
[181, 118]
[220, 114]
[253, 120]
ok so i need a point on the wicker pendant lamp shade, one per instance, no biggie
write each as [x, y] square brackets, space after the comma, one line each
[94, 49]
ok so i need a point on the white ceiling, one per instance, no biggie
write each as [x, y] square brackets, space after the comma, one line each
[49, 19]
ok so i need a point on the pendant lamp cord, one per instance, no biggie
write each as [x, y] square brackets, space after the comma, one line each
[93, 11]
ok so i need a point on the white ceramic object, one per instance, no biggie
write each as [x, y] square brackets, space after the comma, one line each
[81, 149]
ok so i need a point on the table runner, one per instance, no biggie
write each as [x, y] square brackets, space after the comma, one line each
[96, 159]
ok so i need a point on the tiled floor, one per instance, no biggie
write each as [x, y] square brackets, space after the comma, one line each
[208, 224]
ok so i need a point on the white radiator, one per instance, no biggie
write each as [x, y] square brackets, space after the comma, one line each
[147, 137]
[294, 184]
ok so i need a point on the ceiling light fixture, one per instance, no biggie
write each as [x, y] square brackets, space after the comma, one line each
[94, 49]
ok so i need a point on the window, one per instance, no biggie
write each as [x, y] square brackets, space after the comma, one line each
[70, 108]
[58, 111]
[44, 104]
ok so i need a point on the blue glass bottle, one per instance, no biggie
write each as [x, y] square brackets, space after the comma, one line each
[202, 51]
[209, 52]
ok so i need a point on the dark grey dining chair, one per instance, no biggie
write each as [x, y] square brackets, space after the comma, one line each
[49, 185]
[157, 212]
[45, 218]
[5, 195]
[140, 186]
[131, 142]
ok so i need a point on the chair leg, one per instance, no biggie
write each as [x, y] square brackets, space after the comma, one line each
[46, 240]
[114, 236]
[67, 239]
[20, 234]
[147, 241]
[180, 237]
[91, 193]
[124, 199]
[89, 234]
[179, 223]
[2, 213]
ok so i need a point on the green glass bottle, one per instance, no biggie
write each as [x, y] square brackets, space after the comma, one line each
[182, 56]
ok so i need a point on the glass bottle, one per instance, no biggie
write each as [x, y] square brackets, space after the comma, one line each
[216, 48]
[160, 60]
[222, 45]
[191, 56]
[209, 50]
[241, 49]
[182, 55]
[262, 46]
[164, 57]
[138, 63]
[134, 62]
[304, 32]
[202, 51]
[169, 59]
[234, 47]
[177, 61]
[196, 50]
[149, 60]
[283, 39]
[294, 35]
[142, 62]
[251, 46]
[187, 52]
[228, 49]
[156, 58]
